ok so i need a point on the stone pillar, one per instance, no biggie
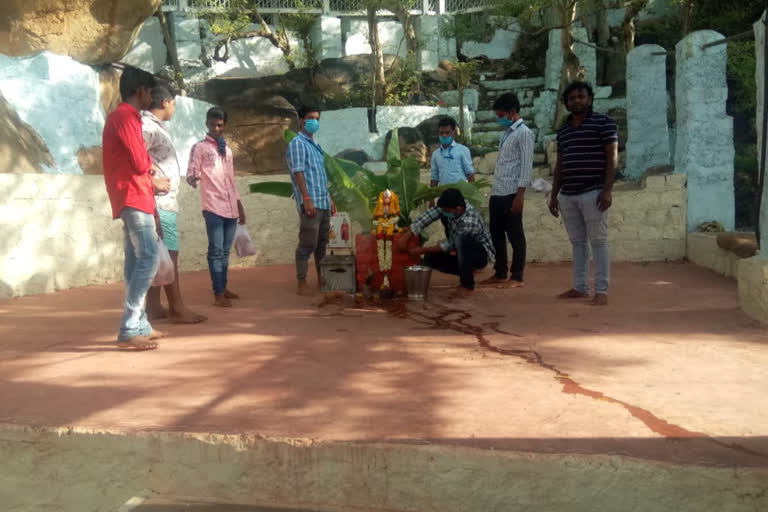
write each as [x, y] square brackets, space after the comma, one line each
[446, 46]
[427, 32]
[326, 37]
[648, 143]
[759, 28]
[704, 147]
[586, 54]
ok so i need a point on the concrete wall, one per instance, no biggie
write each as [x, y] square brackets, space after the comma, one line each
[702, 249]
[56, 231]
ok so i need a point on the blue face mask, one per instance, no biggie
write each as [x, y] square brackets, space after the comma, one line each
[503, 121]
[445, 140]
[311, 126]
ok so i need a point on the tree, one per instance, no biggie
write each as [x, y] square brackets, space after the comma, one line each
[463, 72]
[402, 9]
[170, 44]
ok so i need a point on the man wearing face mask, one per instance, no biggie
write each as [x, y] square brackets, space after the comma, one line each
[467, 247]
[313, 200]
[451, 162]
[511, 177]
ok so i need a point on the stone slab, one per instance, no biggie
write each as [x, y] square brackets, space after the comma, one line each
[471, 98]
[148, 51]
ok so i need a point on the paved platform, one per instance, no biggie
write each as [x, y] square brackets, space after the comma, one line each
[671, 370]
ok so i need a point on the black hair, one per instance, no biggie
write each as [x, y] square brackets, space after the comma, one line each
[576, 86]
[307, 109]
[216, 113]
[451, 198]
[160, 94]
[507, 103]
[447, 121]
[132, 79]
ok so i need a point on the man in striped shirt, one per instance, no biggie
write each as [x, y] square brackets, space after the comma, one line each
[587, 154]
[313, 200]
[510, 179]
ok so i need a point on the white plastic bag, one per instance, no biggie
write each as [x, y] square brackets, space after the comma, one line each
[243, 243]
[165, 271]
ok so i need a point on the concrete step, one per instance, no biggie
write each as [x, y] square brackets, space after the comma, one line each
[514, 84]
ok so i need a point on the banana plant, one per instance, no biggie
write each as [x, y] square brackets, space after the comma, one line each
[356, 189]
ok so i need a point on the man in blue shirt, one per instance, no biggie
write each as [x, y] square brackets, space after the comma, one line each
[313, 201]
[451, 162]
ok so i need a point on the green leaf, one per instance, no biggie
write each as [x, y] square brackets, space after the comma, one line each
[393, 150]
[273, 188]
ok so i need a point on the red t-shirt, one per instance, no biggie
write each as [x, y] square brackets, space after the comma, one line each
[126, 162]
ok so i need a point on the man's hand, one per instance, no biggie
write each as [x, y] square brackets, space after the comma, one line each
[416, 251]
[192, 180]
[517, 205]
[554, 206]
[309, 207]
[162, 185]
[604, 200]
[241, 212]
[158, 226]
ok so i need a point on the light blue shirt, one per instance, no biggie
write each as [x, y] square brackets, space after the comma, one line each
[305, 155]
[452, 164]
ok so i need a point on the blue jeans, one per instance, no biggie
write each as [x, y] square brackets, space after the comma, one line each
[585, 222]
[221, 233]
[140, 267]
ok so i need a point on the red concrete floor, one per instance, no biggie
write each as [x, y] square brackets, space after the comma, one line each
[670, 370]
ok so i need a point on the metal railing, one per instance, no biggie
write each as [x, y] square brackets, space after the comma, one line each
[330, 7]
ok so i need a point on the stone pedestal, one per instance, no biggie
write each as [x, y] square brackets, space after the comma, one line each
[648, 143]
[704, 147]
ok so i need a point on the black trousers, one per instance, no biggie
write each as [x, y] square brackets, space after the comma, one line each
[470, 256]
[507, 226]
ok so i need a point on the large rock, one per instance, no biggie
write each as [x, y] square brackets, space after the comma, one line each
[90, 31]
[148, 51]
[411, 144]
[503, 44]
[21, 148]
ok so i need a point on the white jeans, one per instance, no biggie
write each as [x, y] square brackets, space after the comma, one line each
[585, 222]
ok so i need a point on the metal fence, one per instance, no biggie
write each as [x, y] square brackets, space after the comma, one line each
[331, 7]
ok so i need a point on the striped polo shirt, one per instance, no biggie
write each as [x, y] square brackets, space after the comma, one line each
[582, 153]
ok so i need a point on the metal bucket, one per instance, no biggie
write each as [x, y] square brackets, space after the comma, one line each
[417, 281]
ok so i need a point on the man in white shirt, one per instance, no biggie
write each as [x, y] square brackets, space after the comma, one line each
[165, 162]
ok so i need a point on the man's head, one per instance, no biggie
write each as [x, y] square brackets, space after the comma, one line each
[309, 118]
[578, 97]
[163, 103]
[216, 122]
[136, 87]
[507, 106]
[452, 203]
[446, 130]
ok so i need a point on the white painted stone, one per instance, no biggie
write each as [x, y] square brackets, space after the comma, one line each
[428, 30]
[189, 52]
[603, 92]
[345, 129]
[48, 66]
[759, 28]
[514, 84]
[503, 44]
[704, 149]
[187, 126]
[148, 51]
[471, 98]
[648, 139]
[326, 37]
[186, 28]
[586, 54]
[390, 37]
[251, 58]
[544, 107]
[608, 104]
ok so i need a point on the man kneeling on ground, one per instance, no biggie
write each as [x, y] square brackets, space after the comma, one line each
[468, 246]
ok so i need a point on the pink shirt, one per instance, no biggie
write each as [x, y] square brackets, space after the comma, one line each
[218, 193]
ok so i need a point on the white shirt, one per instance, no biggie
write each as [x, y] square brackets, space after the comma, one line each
[514, 164]
[163, 154]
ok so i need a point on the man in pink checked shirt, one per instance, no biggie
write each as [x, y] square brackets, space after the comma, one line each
[210, 164]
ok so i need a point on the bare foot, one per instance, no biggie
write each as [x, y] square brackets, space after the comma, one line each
[156, 335]
[185, 316]
[493, 280]
[461, 293]
[137, 343]
[222, 301]
[231, 295]
[512, 283]
[304, 289]
[600, 299]
[157, 314]
[573, 294]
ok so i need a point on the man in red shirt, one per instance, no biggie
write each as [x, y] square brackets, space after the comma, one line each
[131, 189]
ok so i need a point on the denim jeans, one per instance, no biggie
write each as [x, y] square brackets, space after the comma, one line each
[313, 239]
[221, 233]
[140, 266]
[585, 222]
[470, 256]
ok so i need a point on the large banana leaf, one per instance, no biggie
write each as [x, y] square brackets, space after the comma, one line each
[403, 177]
[472, 192]
[273, 188]
[347, 196]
